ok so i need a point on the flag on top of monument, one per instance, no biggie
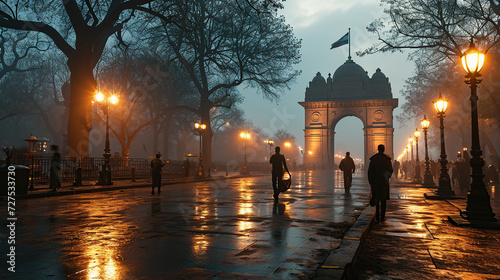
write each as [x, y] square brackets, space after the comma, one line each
[342, 41]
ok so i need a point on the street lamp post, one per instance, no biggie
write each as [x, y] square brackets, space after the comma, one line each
[411, 149]
[200, 127]
[104, 102]
[428, 181]
[478, 199]
[444, 188]
[270, 143]
[407, 151]
[418, 179]
[245, 137]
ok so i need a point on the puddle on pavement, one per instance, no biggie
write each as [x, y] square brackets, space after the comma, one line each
[409, 234]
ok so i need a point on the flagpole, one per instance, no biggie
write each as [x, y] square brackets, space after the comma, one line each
[349, 40]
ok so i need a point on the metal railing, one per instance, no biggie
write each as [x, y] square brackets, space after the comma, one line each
[121, 168]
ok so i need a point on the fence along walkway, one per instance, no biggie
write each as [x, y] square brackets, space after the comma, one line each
[120, 167]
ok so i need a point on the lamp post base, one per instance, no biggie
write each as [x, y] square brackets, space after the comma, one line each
[428, 181]
[104, 177]
[478, 207]
[244, 170]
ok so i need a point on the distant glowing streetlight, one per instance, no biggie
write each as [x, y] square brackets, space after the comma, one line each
[200, 127]
[104, 102]
[418, 179]
[288, 144]
[411, 146]
[444, 188]
[270, 143]
[428, 180]
[245, 136]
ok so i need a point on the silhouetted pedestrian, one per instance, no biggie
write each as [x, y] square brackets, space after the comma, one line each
[435, 168]
[379, 172]
[156, 165]
[454, 170]
[395, 167]
[405, 169]
[55, 167]
[347, 165]
[278, 161]
[463, 172]
[186, 167]
[491, 174]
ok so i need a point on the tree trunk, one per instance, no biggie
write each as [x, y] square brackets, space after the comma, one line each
[207, 141]
[126, 150]
[156, 136]
[182, 140]
[83, 86]
[166, 135]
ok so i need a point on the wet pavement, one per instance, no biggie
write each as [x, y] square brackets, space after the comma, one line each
[418, 242]
[224, 229]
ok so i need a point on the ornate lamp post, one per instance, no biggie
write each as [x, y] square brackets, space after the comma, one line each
[271, 144]
[200, 128]
[407, 151]
[245, 137]
[104, 102]
[478, 199]
[444, 188]
[428, 181]
[411, 149]
[418, 179]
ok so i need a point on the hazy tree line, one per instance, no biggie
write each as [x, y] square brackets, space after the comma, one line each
[437, 33]
[172, 63]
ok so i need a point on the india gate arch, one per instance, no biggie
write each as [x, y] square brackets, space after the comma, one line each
[350, 92]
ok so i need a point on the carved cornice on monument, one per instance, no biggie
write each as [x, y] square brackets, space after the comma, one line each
[393, 102]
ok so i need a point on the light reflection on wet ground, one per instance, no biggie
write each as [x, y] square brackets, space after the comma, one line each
[226, 228]
[418, 242]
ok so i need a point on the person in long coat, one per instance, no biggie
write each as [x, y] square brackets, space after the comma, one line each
[347, 165]
[379, 172]
[278, 161]
[156, 165]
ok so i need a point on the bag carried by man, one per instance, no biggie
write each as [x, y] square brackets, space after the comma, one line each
[285, 182]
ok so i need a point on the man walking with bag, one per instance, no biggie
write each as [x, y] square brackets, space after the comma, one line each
[347, 165]
[278, 161]
[379, 172]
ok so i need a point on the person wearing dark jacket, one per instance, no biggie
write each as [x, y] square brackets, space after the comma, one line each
[278, 161]
[347, 165]
[156, 165]
[55, 168]
[379, 172]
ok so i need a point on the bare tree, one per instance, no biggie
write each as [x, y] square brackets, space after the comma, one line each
[80, 30]
[435, 29]
[222, 45]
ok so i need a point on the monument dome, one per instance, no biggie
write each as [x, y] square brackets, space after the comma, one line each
[350, 70]
[318, 80]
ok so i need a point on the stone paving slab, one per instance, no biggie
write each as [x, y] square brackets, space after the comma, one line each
[341, 259]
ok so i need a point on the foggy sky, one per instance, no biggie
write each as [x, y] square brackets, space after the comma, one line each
[319, 23]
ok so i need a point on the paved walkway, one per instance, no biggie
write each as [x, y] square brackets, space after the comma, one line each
[417, 241]
[41, 188]
[226, 229]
